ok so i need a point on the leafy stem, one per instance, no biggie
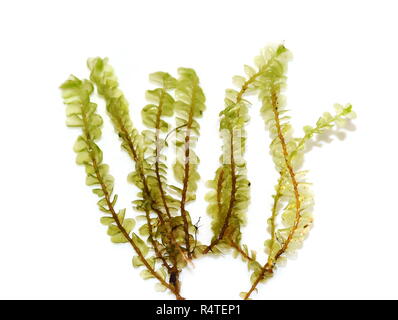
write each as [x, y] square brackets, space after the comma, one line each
[186, 179]
[113, 212]
[291, 174]
[232, 199]
[190, 105]
[169, 238]
[172, 270]
[244, 254]
[157, 156]
[277, 196]
[224, 227]
[268, 267]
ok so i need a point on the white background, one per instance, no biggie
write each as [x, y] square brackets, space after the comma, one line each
[51, 242]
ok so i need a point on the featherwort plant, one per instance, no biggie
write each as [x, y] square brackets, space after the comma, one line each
[166, 241]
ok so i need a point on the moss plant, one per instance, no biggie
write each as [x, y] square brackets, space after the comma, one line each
[165, 241]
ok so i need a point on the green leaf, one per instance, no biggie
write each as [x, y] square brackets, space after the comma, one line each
[144, 230]
[140, 244]
[145, 274]
[119, 238]
[128, 225]
[113, 230]
[160, 288]
[163, 79]
[107, 221]
[137, 262]
[83, 157]
[178, 169]
[121, 215]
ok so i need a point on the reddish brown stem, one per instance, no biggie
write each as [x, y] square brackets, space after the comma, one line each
[269, 267]
[240, 251]
[186, 177]
[119, 225]
[232, 200]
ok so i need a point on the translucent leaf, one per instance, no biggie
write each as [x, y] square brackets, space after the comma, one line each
[164, 79]
[128, 225]
[107, 221]
[103, 202]
[91, 180]
[121, 215]
[145, 274]
[119, 238]
[137, 262]
[175, 189]
[160, 288]
[351, 115]
[178, 169]
[162, 273]
[140, 244]
[238, 81]
[98, 192]
[253, 277]
[113, 230]
[250, 71]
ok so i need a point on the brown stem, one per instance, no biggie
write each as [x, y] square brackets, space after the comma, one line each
[264, 270]
[154, 244]
[239, 98]
[126, 137]
[273, 217]
[291, 174]
[231, 201]
[131, 147]
[174, 272]
[157, 156]
[186, 176]
[233, 173]
[219, 189]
